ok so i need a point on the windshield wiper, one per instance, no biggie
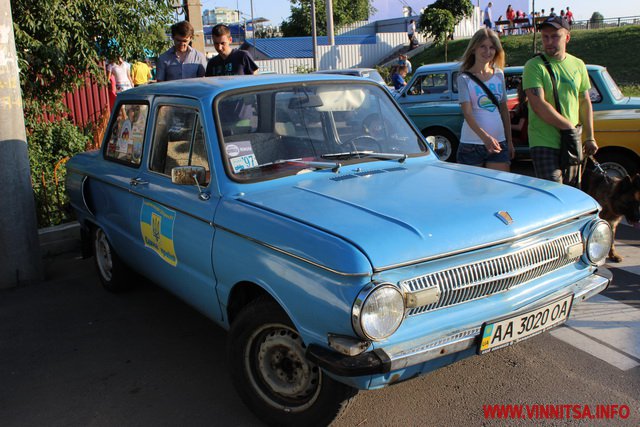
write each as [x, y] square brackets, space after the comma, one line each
[334, 166]
[364, 154]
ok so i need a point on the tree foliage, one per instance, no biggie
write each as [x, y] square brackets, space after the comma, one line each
[344, 12]
[437, 23]
[596, 18]
[57, 41]
[459, 9]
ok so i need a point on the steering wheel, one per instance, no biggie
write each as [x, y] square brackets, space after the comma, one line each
[368, 143]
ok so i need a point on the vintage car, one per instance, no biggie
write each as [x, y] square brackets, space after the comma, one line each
[616, 117]
[308, 216]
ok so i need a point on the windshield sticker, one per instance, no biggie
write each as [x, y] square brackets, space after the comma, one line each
[241, 155]
[156, 225]
[243, 162]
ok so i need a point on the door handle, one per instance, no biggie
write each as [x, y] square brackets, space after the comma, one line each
[138, 181]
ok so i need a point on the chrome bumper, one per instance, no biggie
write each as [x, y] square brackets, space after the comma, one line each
[384, 360]
[401, 357]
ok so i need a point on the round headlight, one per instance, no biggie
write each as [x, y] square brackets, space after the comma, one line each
[599, 239]
[378, 312]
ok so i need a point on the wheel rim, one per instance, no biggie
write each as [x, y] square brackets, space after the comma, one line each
[614, 170]
[278, 369]
[103, 255]
[441, 145]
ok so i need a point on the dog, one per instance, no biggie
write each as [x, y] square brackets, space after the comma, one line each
[619, 198]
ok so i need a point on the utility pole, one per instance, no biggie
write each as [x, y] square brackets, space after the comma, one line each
[314, 35]
[194, 16]
[331, 40]
[19, 247]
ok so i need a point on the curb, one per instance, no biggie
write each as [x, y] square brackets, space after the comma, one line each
[59, 239]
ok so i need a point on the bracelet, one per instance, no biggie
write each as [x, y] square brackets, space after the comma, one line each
[589, 140]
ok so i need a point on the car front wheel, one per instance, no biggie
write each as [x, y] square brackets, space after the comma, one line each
[272, 375]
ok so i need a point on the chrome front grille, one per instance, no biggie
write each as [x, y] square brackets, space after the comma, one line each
[483, 278]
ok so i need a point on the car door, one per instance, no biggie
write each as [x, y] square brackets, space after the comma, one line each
[176, 221]
[111, 196]
[433, 86]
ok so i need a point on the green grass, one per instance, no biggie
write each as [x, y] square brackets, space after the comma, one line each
[613, 48]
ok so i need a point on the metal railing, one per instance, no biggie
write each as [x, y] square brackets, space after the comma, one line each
[605, 23]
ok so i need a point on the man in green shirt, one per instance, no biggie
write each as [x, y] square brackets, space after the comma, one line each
[545, 122]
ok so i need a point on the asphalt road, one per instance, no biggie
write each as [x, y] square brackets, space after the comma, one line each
[72, 354]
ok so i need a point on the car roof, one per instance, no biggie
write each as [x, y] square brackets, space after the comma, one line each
[208, 87]
[440, 66]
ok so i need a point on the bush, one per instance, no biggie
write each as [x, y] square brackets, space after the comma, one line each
[50, 145]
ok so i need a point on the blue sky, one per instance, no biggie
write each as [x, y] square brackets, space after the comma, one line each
[278, 10]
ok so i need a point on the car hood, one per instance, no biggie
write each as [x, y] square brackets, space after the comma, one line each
[398, 214]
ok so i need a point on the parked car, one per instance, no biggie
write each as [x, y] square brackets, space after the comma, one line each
[616, 118]
[367, 73]
[309, 218]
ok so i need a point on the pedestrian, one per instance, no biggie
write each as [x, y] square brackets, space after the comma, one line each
[488, 21]
[228, 62]
[553, 119]
[404, 60]
[542, 12]
[398, 73]
[569, 16]
[181, 61]
[511, 16]
[411, 30]
[485, 138]
[552, 12]
[120, 70]
[141, 72]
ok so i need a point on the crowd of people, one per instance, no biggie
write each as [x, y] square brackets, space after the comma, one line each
[520, 22]
[554, 114]
[181, 61]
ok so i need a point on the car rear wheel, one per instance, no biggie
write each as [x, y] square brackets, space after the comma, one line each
[272, 375]
[443, 142]
[617, 164]
[114, 274]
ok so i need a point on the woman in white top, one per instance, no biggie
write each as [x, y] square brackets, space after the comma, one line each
[486, 131]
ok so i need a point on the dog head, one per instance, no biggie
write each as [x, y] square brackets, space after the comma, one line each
[626, 200]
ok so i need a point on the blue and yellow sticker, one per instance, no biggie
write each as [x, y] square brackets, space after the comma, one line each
[156, 225]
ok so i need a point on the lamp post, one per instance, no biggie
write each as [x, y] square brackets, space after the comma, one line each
[314, 35]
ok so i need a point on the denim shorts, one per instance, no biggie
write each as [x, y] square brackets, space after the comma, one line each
[477, 154]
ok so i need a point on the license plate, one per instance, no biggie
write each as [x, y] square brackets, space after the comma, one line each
[506, 332]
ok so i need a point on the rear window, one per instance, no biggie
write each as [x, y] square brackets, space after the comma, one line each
[126, 135]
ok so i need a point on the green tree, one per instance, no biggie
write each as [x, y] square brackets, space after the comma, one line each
[596, 20]
[344, 12]
[438, 23]
[57, 41]
[460, 9]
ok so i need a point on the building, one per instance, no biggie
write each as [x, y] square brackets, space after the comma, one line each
[220, 15]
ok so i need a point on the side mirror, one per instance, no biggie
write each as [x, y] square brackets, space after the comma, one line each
[188, 175]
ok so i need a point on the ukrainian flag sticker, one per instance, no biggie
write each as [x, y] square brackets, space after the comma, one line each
[156, 225]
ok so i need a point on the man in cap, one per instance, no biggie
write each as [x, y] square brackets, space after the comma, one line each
[546, 123]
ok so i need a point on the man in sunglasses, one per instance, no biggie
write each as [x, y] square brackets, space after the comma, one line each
[181, 61]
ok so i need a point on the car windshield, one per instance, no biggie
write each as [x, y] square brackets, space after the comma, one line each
[613, 87]
[298, 128]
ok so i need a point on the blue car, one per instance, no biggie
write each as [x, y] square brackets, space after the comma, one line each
[307, 216]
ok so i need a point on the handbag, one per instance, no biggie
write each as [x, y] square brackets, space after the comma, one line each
[570, 139]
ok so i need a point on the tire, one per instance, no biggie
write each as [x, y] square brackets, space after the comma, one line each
[443, 142]
[271, 374]
[114, 274]
[618, 164]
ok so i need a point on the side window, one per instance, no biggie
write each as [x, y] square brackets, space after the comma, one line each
[454, 81]
[433, 83]
[594, 93]
[126, 136]
[178, 140]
